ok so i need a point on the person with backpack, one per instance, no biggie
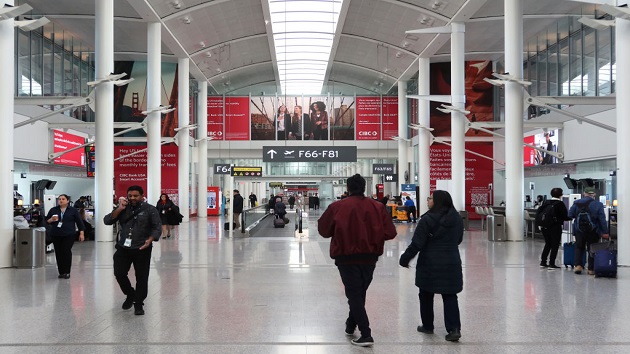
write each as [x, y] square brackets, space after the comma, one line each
[549, 218]
[589, 225]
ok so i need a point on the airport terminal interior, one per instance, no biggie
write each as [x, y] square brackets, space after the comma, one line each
[197, 98]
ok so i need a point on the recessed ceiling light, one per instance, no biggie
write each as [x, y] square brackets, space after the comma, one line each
[398, 54]
[209, 54]
[186, 20]
[176, 4]
[202, 44]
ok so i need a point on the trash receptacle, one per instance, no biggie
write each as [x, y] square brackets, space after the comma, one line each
[30, 248]
[496, 228]
[464, 215]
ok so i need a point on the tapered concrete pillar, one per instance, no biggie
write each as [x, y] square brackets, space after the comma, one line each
[202, 146]
[424, 136]
[622, 44]
[458, 120]
[183, 118]
[402, 134]
[154, 119]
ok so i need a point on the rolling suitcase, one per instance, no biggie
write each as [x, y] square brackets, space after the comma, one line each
[568, 258]
[604, 259]
[277, 222]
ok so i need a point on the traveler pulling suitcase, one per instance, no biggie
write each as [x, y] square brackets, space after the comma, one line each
[604, 259]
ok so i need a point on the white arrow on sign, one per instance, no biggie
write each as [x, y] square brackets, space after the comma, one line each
[272, 153]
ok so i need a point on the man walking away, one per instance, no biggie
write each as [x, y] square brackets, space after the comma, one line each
[252, 200]
[238, 209]
[589, 225]
[358, 227]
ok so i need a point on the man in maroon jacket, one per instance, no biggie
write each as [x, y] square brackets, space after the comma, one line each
[358, 227]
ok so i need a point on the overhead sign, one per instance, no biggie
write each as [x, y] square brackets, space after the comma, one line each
[63, 141]
[390, 178]
[382, 169]
[246, 171]
[222, 169]
[308, 154]
[276, 184]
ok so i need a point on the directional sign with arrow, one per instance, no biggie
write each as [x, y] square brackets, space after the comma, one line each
[309, 154]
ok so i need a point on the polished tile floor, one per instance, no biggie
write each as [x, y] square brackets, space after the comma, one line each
[212, 294]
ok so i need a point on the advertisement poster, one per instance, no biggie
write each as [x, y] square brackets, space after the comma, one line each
[63, 141]
[390, 117]
[131, 100]
[368, 118]
[278, 118]
[133, 170]
[236, 118]
[320, 117]
[215, 117]
[479, 95]
[546, 140]
[478, 172]
[342, 119]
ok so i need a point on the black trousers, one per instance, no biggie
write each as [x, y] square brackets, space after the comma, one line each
[583, 244]
[63, 252]
[553, 236]
[141, 260]
[411, 210]
[451, 310]
[356, 280]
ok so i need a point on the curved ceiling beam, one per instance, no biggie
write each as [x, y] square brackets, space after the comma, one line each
[525, 17]
[193, 9]
[433, 14]
[374, 41]
[231, 71]
[92, 17]
[232, 41]
[376, 72]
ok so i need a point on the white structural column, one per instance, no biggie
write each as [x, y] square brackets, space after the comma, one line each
[183, 117]
[104, 144]
[7, 75]
[154, 119]
[402, 134]
[202, 146]
[514, 121]
[622, 34]
[458, 120]
[424, 136]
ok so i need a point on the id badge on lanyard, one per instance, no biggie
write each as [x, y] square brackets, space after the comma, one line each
[128, 239]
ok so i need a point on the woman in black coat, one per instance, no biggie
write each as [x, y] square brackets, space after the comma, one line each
[164, 207]
[439, 266]
[63, 221]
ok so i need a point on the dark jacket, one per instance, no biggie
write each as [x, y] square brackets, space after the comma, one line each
[595, 210]
[173, 217]
[164, 210]
[70, 221]
[291, 200]
[359, 227]
[439, 267]
[280, 209]
[560, 212]
[238, 203]
[143, 221]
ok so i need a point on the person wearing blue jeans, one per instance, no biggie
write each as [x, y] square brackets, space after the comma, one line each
[584, 239]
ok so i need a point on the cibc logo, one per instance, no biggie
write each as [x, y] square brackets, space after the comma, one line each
[372, 133]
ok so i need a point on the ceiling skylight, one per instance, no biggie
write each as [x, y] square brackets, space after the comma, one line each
[303, 34]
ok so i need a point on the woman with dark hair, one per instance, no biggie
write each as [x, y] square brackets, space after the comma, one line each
[283, 122]
[319, 117]
[64, 220]
[295, 132]
[439, 267]
[164, 207]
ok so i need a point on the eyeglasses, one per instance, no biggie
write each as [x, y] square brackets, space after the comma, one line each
[429, 198]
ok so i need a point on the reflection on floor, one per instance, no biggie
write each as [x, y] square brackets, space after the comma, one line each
[212, 294]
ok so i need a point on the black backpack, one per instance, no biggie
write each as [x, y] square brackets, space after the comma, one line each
[546, 216]
[583, 219]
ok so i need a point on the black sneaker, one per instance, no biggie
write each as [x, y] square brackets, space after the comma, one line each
[543, 264]
[453, 336]
[138, 310]
[421, 329]
[363, 341]
[128, 303]
[553, 266]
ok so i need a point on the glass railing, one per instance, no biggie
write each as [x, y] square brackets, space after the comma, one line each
[251, 217]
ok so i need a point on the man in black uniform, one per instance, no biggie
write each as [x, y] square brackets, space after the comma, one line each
[238, 209]
[140, 225]
[252, 199]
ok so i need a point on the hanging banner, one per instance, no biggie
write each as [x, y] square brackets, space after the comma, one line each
[237, 118]
[390, 117]
[63, 141]
[132, 170]
[215, 117]
[368, 118]
[246, 171]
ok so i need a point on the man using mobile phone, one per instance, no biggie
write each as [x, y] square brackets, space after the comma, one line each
[140, 225]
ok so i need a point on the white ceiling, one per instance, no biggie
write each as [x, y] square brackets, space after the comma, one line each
[229, 41]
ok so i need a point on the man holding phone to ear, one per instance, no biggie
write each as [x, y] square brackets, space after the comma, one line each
[140, 225]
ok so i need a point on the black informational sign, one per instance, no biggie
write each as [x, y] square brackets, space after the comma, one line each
[249, 171]
[90, 158]
[308, 154]
[222, 169]
[390, 178]
[382, 169]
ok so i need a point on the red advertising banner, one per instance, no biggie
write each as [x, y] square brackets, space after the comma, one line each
[63, 141]
[237, 118]
[478, 173]
[368, 118]
[215, 117]
[132, 170]
[390, 117]
[529, 154]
